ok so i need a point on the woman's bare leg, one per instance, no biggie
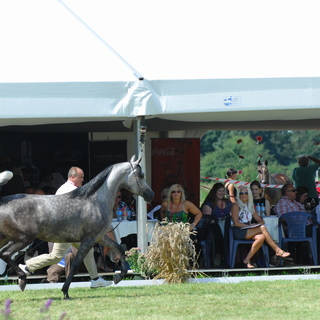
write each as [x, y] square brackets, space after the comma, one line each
[258, 240]
[262, 229]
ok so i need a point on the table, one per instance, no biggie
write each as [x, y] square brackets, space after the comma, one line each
[124, 228]
[271, 224]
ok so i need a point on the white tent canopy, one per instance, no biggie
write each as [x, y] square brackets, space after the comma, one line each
[244, 71]
[269, 104]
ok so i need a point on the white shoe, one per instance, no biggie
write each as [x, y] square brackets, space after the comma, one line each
[23, 267]
[100, 282]
[5, 176]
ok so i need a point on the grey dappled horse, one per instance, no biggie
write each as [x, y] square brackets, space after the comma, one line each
[82, 215]
[273, 194]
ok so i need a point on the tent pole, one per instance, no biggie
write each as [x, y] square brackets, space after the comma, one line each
[139, 129]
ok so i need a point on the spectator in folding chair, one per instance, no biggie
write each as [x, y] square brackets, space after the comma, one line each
[288, 203]
[242, 213]
[215, 207]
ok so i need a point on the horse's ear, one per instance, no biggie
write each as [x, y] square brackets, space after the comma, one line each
[135, 162]
[266, 162]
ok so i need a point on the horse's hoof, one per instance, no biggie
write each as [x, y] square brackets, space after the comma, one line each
[66, 295]
[116, 278]
[22, 284]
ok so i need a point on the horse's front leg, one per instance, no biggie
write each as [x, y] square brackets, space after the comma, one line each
[107, 242]
[85, 246]
[7, 251]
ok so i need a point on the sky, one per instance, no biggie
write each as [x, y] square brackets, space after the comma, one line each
[41, 41]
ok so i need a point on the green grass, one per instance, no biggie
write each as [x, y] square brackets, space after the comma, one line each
[247, 300]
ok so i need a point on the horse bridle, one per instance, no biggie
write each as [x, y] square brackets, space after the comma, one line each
[138, 183]
[135, 175]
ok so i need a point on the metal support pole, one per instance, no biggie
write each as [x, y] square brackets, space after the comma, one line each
[139, 138]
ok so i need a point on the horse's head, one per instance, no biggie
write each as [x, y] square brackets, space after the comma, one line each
[137, 183]
[263, 172]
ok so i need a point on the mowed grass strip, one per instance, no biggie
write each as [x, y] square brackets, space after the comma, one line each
[246, 300]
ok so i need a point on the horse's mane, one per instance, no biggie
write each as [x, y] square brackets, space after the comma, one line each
[93, 185]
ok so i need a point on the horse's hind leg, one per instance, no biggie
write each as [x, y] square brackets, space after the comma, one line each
[6, 253]
[82, 252]
[107, 242]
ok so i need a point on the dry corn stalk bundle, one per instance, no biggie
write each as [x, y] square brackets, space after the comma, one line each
[171, 252]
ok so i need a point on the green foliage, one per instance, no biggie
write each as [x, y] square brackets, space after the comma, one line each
[220, 151]
[135, 259]
[215, 164]
[287, 145]
[138, 264]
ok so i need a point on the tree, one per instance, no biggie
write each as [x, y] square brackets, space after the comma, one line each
[238, 152]
[220, 151]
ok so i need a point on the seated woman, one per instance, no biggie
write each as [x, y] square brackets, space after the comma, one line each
[176, 208]
[302, 195]
[256, 190]
[215, 206]
[242, 213]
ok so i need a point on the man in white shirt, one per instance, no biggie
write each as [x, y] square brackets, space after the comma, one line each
[75, 180]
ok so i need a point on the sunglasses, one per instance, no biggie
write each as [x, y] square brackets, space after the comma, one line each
[163, 197]
[176, 191]
[119, 197]
[243, 192]
[293, 190]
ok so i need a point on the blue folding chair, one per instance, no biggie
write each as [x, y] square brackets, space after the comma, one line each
[233, 247]
[296, 222]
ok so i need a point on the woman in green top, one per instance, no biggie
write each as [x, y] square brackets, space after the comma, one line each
[176, 208]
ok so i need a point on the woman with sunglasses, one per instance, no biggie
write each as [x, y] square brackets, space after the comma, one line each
[176, 208]
[242, 213]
